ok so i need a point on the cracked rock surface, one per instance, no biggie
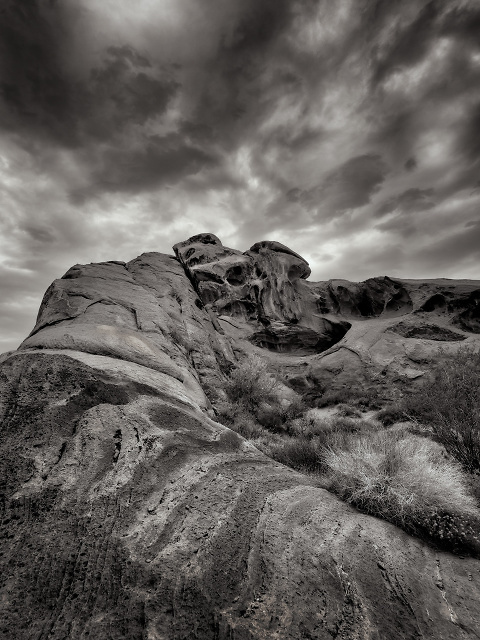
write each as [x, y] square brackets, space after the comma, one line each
[128, 513]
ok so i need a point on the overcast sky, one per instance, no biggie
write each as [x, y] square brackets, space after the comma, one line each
[347, 129]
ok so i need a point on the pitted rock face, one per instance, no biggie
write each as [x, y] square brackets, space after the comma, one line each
[203, 248]
[299, 267]
[127, 513]
[264, 288]
[216, 271]
[255, 284]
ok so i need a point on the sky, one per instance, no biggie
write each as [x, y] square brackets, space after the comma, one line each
[348, 130]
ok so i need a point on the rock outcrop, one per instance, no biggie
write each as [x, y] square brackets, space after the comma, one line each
[382, 333]
[128, 513]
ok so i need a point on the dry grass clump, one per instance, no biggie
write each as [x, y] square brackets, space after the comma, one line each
[251, 384]
[391, 414]
[312, 424]
[365, 396]
[406, 480]
[301, 453]
[308, 438]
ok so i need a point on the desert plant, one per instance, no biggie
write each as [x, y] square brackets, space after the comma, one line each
[347, 411]
[302, 454]
[363, 397]
[392, 414]
[406, 480]
[277, 416]
[250, 383]
[450, 403]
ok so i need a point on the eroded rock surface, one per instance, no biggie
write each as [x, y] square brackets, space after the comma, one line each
[127, 513]
[334, 334]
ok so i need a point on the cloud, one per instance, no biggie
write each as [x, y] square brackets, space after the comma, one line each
[349, 186]
[409, 40]
[410, 201]
[346, 129]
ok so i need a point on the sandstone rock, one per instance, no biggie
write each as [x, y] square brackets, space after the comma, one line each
[128, 513]
[352, 333]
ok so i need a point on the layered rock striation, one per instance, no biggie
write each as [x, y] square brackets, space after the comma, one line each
[128, 513]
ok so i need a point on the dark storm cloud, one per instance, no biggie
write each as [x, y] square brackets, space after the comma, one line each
[410, 201]
[231, 98]
[469, 137]
[159, 159]
[463, 245]
[125, 127]
[353, 184]
[39, 92]
[410, 164]
[463, 21]
[349, 186]
[35, 90]
[408, 43]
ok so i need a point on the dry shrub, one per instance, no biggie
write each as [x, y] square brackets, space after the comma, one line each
[450, 404]
[347, 411]
[391, 414]
[309, 437]
[302, 454]
[363, 396]
[250, 383]
[406, 480]
[312, 425]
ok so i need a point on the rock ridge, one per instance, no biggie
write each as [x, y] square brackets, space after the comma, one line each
[127, 512]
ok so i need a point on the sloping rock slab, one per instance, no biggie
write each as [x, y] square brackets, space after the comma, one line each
[128, 514]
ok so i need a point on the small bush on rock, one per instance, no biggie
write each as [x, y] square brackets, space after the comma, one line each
[450, 404]
[302, 454]
[408, 481]
[251, 384]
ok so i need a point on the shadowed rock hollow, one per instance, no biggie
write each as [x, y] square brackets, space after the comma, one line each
[127, 512]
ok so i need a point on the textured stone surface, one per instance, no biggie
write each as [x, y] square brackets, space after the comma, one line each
[335, 334]
[127, 513]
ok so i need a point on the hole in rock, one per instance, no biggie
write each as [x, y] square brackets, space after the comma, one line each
[436, 302]
[235, 276]
[299, 340]
[469, 320]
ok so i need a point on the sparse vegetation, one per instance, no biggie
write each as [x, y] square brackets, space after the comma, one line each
[363, 397]
[391, 414]
[401, 475]
[450, 404]
[251, 384]
[300, 453]
[406, 480]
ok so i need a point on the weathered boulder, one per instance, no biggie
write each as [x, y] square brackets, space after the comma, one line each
[383, 333]
[127, 513]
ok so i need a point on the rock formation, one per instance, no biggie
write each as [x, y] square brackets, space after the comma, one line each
[128, 513]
